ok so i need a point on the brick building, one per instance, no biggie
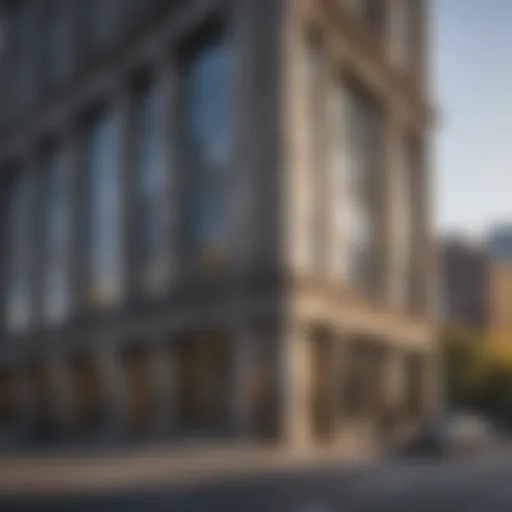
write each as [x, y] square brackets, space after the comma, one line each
[215, 219]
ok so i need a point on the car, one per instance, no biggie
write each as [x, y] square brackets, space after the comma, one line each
[455, 435]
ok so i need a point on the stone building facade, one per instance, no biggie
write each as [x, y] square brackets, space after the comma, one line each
[215, 219]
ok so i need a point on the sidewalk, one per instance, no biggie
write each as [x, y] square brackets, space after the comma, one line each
[152, 467]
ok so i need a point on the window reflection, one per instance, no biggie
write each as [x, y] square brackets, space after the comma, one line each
[152, 188]
[104, 239]
[209, 135]
[56, 238]
[18, 303]
[360, 172]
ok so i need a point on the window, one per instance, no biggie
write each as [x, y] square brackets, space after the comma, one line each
[56, 238]
[152, 187]
[209, 151]
[103, 218]
[318, 174]
[361, 174]
[18, 289]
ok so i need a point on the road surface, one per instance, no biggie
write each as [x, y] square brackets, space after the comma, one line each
[484, 485]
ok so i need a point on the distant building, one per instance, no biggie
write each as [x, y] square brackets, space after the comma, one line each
[476, 289]
[215, 219]
[499, 242]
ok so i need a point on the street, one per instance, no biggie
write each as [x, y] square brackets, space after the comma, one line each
[482, 485]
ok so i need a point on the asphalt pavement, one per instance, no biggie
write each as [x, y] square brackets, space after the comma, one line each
[473, 485]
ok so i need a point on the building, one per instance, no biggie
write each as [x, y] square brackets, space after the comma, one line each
[477, 289]
[499, 242]
[215, 219]
[464, 281]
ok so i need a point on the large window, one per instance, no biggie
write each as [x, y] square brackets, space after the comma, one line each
[152, 187]
[361, 186]
[103, 219]
[56, 238]
[17, 268]
[209, 151]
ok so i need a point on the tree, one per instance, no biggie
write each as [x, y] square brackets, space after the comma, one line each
[464, 365]
[478, 371]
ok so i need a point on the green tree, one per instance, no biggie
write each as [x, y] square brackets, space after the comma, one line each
[464, 366]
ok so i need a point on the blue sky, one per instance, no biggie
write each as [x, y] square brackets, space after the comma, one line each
[473, 81]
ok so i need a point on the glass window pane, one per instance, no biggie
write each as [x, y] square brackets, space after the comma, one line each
[360, 170]
[210, 150]
[104, 237]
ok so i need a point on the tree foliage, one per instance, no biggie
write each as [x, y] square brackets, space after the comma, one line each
[478, 371]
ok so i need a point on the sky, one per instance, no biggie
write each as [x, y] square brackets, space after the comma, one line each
[472, 61]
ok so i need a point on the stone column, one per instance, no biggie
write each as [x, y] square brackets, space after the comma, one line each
[79, 193]
[336, 151]
[396, 214]
[167, 85]
[33, 239]
[295, 386]
[300, 173]
[123, 117]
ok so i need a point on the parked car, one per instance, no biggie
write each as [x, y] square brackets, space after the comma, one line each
[453, 435]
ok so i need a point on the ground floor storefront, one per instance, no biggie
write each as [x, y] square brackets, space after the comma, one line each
[301, 385]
